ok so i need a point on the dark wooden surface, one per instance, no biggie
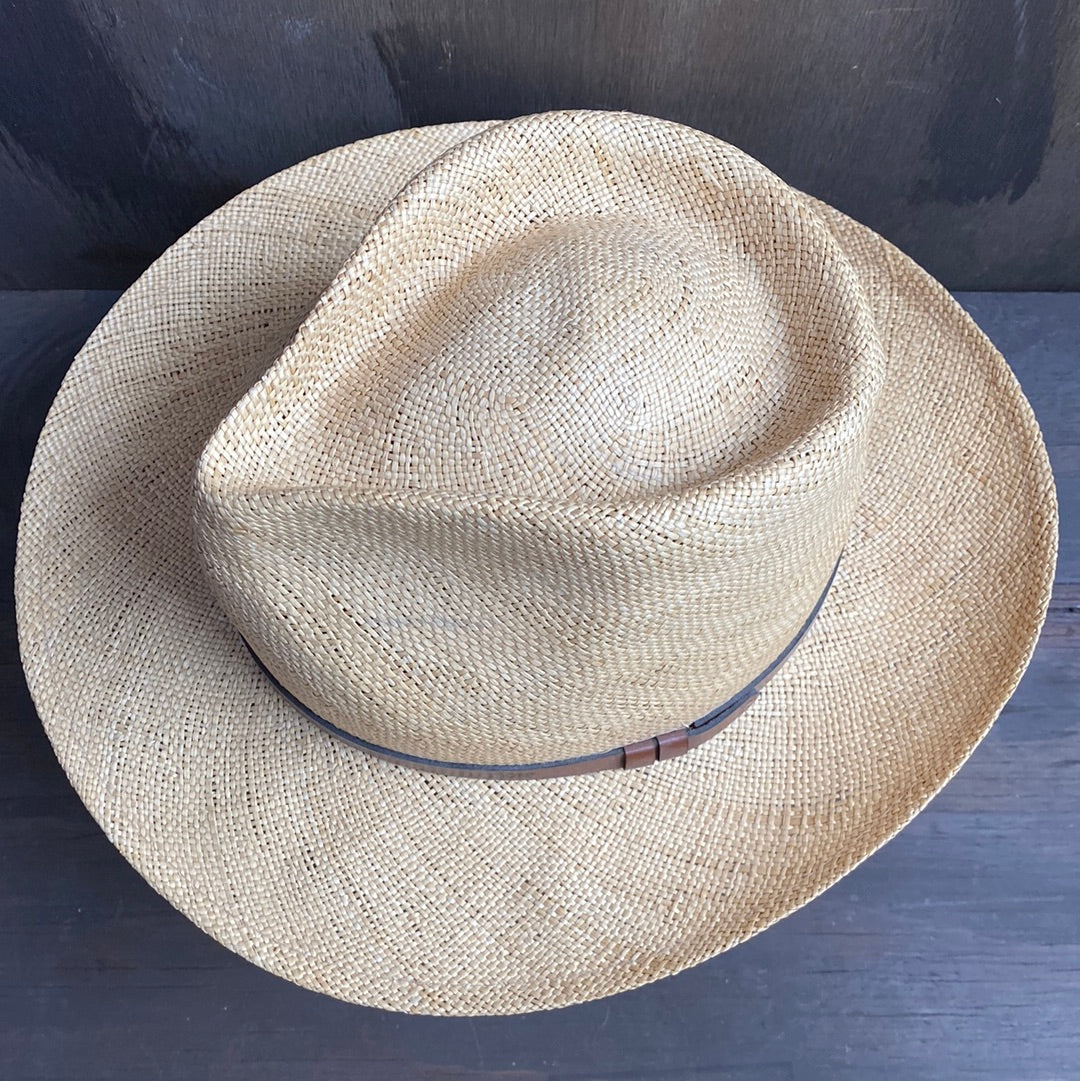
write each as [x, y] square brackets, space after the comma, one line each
[952, 953]
[952, 128]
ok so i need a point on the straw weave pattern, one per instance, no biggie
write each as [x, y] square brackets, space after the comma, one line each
[403, 890]
[563, 456]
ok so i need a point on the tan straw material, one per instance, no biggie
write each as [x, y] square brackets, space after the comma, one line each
[502, 443]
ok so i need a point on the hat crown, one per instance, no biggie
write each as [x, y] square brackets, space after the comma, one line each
[563, 456]
[585, 359]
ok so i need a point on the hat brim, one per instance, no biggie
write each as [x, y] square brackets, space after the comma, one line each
[386, 886]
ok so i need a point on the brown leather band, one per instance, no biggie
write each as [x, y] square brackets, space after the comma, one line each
[642, 753]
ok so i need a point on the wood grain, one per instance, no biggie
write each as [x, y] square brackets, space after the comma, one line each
[954, 952]
[953, 128]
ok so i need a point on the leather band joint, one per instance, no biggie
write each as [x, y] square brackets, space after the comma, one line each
[656, 749]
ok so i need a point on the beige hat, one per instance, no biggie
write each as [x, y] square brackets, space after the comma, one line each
[524, 457]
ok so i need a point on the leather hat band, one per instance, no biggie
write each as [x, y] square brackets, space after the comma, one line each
[632, 755]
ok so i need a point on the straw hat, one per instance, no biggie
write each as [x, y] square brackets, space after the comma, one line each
[524, 457]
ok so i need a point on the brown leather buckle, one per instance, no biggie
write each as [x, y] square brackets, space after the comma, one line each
[643, 753]
[672, 744]
[656, 749]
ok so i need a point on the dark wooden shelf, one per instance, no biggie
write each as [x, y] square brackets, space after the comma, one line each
[954, 952]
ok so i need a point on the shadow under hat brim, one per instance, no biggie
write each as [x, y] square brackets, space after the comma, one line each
[390, 887]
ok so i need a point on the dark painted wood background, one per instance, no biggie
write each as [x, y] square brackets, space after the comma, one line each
[951, 126]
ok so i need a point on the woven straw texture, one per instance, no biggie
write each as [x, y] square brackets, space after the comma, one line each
[410, 891]
[564, 455]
